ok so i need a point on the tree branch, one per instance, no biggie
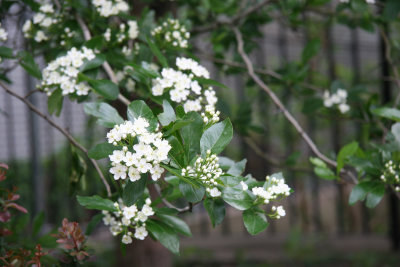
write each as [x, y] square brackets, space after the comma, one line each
[276, 100]
[279, 104]
[60, 129]
[106, 66]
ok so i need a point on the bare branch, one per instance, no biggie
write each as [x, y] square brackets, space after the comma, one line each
[279, 104]
[106, 66]
[167, 203]
[62, 130]
[257, 70]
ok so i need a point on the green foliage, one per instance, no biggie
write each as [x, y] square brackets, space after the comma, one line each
[215, 209]
[134, 191]
[322, 170]
[165, 234]
[138, 108]
[217, 137]
[101, 151]
[107, 116]
[255, 220]
[96, 203]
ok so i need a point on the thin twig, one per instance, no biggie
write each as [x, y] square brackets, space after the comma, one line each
[62, 130]
[169, 204]
[277, 101]
[271, 160]
[232, 20]
[31, 93]
[257, 70]
[279, 104]
[106, 66]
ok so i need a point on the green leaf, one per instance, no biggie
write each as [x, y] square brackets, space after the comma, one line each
[358, 193]
[391, 10]
[176, 125]
[389, 113]
[106, 114]
[191, 135]
[29, 64]
[168, 114]
[105, 88]
[94, 63]
[215, 209]
[37, 223]
[55, 102]
[317, 162]
[93, 223]
[237, 168]
[312, 48]
[157, 53]
[191, 193]
[211, 82]
[177, 224]
[237, 198]
[324, 173]
[101, 151]
[344, 153]
[217, 137]
[177, 153]
[138, 108]
[396, 132]
[164, 233]
[6, 52]
[96, 203]
[134, 190]
[375, 195]
[255, 220]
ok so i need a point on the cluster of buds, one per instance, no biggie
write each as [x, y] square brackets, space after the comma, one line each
[128, 219]
[277, 212]
[207, 171]
[210, 115]
[171, 32]
[390, 174]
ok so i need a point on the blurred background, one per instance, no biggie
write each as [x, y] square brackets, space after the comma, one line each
[320, 228]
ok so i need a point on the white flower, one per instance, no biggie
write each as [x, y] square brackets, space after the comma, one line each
[214, 192]
[141, 233]
[244, 186]
[119, 171]
[141, 216]
[133, 30]
[130, 212]
[344, 108]
[147, 210]
[126, 239]
[40, 36]
[280, 211]
[108, 8]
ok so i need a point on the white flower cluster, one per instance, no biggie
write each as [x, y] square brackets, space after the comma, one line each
[108, 8]
[63, 72]
[129, 31]
[278, 212]
[184, 89]
[391, 174]
[173, 33]
[68, 34]
[276, 188]
[42, 20]
[206, 170]
[339, 98]
[142, 157]
[3, 34]
[125, 218]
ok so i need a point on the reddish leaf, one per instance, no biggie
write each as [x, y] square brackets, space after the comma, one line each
[16, 206]
[5, 216]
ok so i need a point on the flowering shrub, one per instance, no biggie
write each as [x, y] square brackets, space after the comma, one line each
[167, 144]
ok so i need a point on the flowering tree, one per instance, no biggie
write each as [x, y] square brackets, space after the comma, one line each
[166, 145]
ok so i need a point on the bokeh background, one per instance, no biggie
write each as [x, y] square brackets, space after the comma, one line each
[320, 228]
